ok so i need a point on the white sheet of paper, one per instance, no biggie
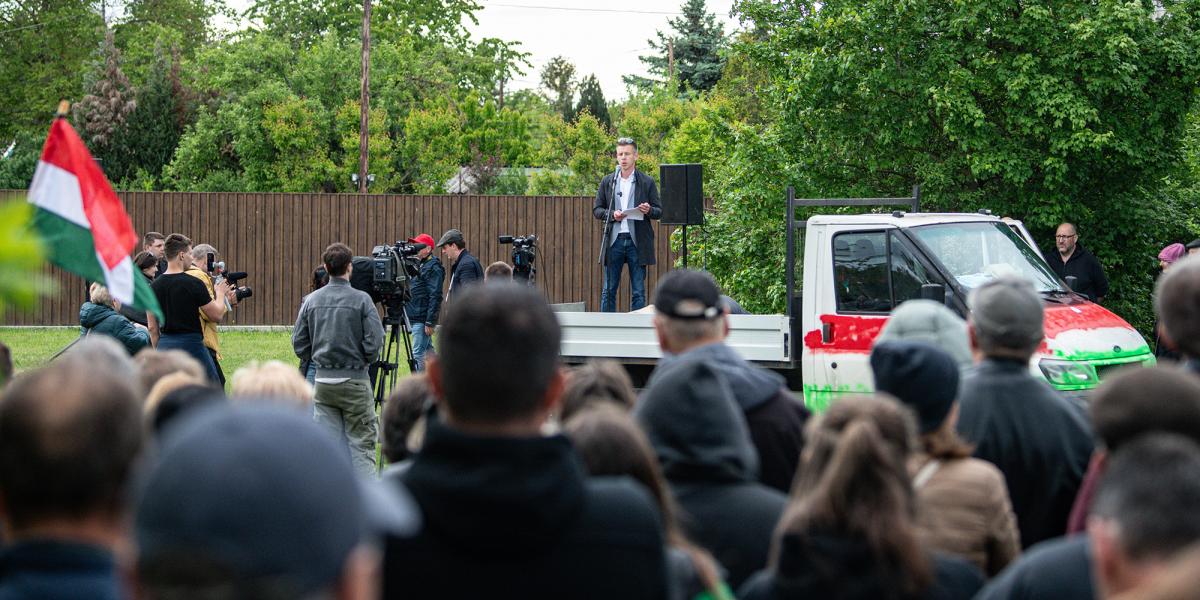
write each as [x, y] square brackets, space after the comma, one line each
[634, 214]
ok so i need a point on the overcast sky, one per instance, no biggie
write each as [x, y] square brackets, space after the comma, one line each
[602, 38]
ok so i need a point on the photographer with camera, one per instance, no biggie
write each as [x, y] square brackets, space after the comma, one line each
[466, 269]
[183, 298]
[426, 302]
[339, 330]
[203, 269]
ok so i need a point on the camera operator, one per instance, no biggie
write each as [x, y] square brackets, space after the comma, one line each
[426, 299]
[466, 269]
[183, 299]
[199, 270]
[339, 330]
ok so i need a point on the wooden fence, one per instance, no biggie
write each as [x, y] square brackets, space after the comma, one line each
[278, 239]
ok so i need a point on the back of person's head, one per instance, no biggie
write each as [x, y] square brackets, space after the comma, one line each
[925, 379]
[271, 381]
[255, 502]
[336, 258]
[1138, 401]
[595, 382]
[404, 408]
[853, 481]
[1144, 511]
[497, 358]
[1177, 303]
[1006, 318]
[98, 294]
[498, 270]
[688, 309]
[320, 277]
[611, 444]
[70, 433]
[104, 353]
[932, 322]
[175, 395]
[152, 365]
[176, 244]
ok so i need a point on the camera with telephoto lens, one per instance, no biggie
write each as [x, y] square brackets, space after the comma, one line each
[523, 254]
[216, 270]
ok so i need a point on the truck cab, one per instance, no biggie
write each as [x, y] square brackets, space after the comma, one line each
[856, 268]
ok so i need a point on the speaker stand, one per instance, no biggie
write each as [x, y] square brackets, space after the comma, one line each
[685, 246]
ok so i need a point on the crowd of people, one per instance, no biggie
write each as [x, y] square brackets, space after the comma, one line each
[127, 471]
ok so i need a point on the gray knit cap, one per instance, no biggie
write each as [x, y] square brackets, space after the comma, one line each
[1008, 312]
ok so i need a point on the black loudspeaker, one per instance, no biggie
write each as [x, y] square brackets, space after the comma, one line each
[682, 194]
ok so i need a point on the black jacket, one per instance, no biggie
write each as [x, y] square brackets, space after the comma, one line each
[1084, 265]
[426, 288]
[1037, 438]
[100, 319]
[704, 447]
[59, 569]
[1060, 569]
[833, 567]
[645, 190]
[774, 417]
[465, 271]
[516, 518]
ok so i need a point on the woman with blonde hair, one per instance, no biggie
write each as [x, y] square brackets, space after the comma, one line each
[611, 443]
[850, 529]
[271, 381]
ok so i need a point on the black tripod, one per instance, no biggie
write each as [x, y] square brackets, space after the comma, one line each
[396, 322]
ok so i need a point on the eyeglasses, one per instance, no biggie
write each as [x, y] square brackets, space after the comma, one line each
[625, 141]
[1064, 237]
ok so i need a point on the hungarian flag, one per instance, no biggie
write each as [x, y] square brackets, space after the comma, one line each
[82, 221]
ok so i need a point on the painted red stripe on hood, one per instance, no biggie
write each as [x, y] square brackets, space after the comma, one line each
[851, 333]
[1060, 318]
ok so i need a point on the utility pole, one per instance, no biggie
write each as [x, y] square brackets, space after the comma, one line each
[501, 107]
[670, 60]
[364, 98]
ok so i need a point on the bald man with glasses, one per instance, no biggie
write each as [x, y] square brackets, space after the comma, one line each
[1071, 259]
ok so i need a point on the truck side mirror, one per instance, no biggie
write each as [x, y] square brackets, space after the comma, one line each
[934, 291]
[1072, 281]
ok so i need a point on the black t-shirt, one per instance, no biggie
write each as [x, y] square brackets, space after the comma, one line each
[180, 295]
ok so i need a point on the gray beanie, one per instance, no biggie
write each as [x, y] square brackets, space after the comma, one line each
[931, 322]
[1007, 312]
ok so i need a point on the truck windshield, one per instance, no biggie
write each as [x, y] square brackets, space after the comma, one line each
[974, 253]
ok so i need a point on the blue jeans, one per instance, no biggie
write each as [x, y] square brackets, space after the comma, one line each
[193, 344]
[620, 252]
[420, 344]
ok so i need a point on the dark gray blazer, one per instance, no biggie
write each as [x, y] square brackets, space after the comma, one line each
[645, 190]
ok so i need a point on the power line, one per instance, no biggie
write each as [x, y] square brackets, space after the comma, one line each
[579, 9]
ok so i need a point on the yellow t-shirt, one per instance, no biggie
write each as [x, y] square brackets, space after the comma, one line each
[208, 326]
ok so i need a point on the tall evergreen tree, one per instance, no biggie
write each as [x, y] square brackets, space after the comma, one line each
[102, 113]
[591, 98]
[698, 42]
[558, 77]
[152, 131]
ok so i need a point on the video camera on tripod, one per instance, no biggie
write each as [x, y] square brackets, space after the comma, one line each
[523, 254]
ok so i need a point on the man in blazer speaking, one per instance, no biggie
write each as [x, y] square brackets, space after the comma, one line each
[626, 201]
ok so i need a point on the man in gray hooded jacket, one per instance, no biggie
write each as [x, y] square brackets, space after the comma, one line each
[690, 320]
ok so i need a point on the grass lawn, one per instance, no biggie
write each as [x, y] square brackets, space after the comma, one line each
[31, 348]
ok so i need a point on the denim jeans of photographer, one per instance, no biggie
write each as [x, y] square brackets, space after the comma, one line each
[421, 344]
[621, 252]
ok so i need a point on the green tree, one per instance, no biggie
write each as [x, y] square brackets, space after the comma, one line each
[558, 79]
[101, 115]
[1046, 111]
[591, 99]
[46, 47]
[698, 43]
[190, 19]
[147, 140]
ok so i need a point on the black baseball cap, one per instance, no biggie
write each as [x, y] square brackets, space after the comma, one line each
[1193, 244]
[688, 294]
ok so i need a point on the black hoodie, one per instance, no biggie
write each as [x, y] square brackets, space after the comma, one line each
[704, 448]
[516, 518]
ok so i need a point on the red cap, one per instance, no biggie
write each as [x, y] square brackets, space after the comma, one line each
[424, 238]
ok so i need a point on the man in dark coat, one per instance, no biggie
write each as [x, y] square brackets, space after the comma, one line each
[1177, 304]
[465, 270]
[70, 434]
[691, 323]
[693, 422]
[508, 511]
[1073, 260]
[1038, 439]
[625, 201]
[426, 299]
